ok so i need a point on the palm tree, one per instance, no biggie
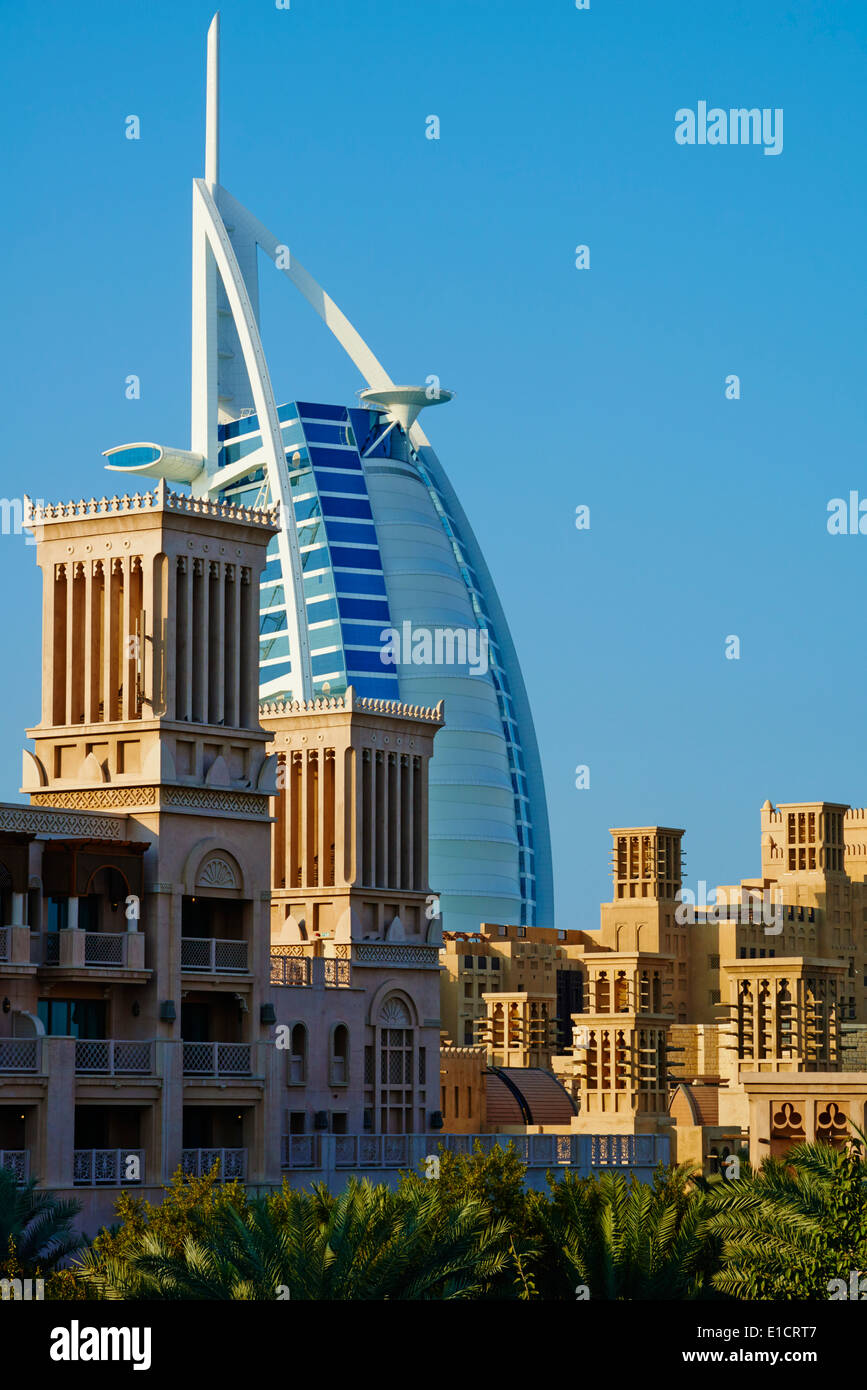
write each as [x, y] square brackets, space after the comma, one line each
[35, 1227]
[368, 1243]
[795, 1225]
[606, 1238]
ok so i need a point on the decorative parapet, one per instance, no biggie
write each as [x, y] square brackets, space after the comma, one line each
[47, 820]
[383, 953]
[159, 499]
[237, 803]
[360, 704]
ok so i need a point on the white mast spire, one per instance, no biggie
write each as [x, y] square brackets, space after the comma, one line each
[205, 385]
[212, 107]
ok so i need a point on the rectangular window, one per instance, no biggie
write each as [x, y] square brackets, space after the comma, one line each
[307, 508]
[347, 506]
[58, 913]
[364, 608]
[328, 434]
[358, 635]
[354, 532]
[313, 410]
[360, 584]
[360, 660]
[73, 1018]
[340, 482]
[327, 664]
[322, 610]
[359, 559]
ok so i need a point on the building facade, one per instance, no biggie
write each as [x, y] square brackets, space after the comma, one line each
[373, 540]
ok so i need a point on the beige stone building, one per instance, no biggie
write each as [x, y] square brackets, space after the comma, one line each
[134, 949]
[352, 911]
[701, 1020]
[159, 1005]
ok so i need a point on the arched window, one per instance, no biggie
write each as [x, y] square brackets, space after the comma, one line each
[298, 1055]
[396, 1084]
[338, 1062]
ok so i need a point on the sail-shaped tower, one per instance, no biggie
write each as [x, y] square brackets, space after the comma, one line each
[372, 537]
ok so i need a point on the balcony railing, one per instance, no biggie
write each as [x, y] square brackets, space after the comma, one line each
[232, 1163]
[337, 972]
[113, 1057]
[291, 966]
[212, 955]
[540, 1152]
[19, 1054]
[217, 1059]
[18, 1162]
[101, 948]
[104, 948]
[300, 1150]
[107, 1167]
[289, 969]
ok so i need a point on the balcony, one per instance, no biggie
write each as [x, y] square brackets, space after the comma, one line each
[209, 955]
[112, 1057]
[19, 1055]
[15, 949]
[290, 966]
[217, 1059]
[18, 1162]
[72, 949]
[107, 1167]
[195, 1163]
[337, 972]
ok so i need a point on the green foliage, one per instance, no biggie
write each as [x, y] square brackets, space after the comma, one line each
[797, 1223]
[472, 1232]
[623, 1239]
[368, 1243]
[495, 1177]
[187, 1203]
[35, 1228]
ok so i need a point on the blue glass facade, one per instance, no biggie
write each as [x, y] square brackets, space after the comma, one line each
[346, 606]
[334, 455]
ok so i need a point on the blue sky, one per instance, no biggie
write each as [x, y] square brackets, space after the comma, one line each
[603, 387]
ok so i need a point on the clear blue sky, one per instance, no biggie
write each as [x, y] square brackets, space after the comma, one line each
[604, 387]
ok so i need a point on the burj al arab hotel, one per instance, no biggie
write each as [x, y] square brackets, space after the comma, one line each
[372, 537]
